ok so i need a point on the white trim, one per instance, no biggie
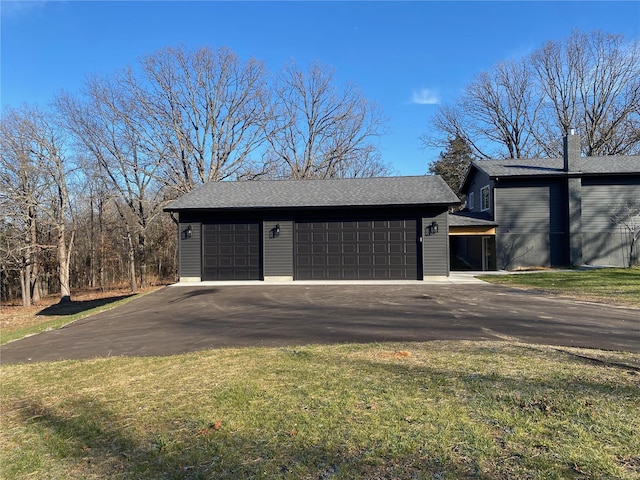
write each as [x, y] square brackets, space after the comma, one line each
[470, 201]
[482, 197]
[283, 278]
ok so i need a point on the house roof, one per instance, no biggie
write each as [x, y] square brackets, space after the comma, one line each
[470, 219]
[378, 191]
[538, 167]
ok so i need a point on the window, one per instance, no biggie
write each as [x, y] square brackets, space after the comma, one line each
[485, 199]
[470, 202]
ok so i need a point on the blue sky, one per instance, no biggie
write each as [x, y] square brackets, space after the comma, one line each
[406, 56]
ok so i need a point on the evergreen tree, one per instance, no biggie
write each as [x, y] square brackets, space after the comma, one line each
[453, 163]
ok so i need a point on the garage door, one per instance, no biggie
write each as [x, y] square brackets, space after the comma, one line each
[231, 251]
[361, 250]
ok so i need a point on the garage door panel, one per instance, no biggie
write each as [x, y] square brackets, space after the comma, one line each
[231, 251]
[349, 260]
[380, 248]
[381, 260]
[365, 248]
[371, 249]
[334, 260]
[349, 237]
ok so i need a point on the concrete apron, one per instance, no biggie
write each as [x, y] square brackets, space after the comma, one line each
[453, 279]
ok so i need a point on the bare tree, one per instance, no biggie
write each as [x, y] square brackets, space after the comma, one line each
[34, 175]
[592, 82]
[523, 108]
[495, 114]
[627, 217]
[21, 183]
[109, 126]
[321, 132]
[205, 113]
[49, 149]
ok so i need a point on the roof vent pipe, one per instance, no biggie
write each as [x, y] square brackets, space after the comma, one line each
[571, 152]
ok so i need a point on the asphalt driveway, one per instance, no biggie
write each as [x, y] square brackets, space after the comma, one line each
[185, 319]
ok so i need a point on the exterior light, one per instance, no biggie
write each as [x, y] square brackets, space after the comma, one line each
[431, 229]
[188, 232]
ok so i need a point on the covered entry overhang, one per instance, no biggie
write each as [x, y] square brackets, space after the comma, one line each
[472, 242]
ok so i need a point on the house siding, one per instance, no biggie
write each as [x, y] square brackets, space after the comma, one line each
[190, 251]
[278, 250]
[435, 248]
[480, 179]
[606, 242]
[532, 225]
[278, 253]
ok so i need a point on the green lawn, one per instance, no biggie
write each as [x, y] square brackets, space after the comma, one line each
[611, 285]
[415, 410]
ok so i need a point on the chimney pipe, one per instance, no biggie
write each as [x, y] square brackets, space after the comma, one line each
[571, 152]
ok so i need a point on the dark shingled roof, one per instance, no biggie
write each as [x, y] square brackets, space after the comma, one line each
[378, 191]
[525, 167]
[470, 219]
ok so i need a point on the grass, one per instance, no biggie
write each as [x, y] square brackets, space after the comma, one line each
[437, 410]
[610, 285]
[18, 322]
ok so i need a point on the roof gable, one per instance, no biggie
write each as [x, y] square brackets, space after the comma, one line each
[377, 191]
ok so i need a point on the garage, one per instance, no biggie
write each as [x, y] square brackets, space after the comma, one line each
[383, 228]
[356, 250]
[231, 251]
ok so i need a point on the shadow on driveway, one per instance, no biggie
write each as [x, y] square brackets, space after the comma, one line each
[72, 307]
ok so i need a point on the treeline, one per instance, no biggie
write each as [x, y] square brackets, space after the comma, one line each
[83, 181]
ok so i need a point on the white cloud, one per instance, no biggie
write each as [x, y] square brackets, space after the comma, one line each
[20, 8]
[425, 96]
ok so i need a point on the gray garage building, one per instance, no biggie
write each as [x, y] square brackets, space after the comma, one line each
[391, 228]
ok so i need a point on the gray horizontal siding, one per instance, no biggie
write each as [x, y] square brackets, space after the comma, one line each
[533, 225]
[532, 209]
[278, 250]
[522, 210]
[435, 248]
[602, 203]
[190, 251]
[515, 250]
[607, 248]
[480, 179]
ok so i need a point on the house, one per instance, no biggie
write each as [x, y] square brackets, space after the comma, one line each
[336, 229]
[548, 212]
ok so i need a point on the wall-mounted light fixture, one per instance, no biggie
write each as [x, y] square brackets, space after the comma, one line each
[187, 232]
[431, 229]
[275, 231]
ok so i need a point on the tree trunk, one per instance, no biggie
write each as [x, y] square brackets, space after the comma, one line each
[142, 256]
[635, 237]
[64, 257]
[132, 263]
[25, 275]
[34, 270]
